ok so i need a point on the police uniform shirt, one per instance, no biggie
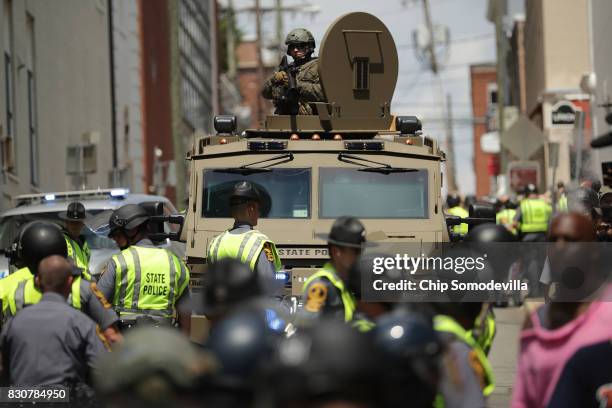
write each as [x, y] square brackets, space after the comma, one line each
[461, 384]
[50, 343]
[106, 284]
[265, 263]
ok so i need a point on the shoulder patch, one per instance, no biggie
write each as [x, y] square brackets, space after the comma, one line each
[102, 338]
[477, 368]
[315, 297]
[268, 251]
[99, 295]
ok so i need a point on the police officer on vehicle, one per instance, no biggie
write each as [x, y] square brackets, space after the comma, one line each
[300, 46]
[147, 284]
[78, 249]
[453, 203]
[37, 241]
[51, 343]
[532, 216]
[326, 291]
[242, 242]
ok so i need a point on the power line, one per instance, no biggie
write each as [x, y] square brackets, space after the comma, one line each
[458, 40]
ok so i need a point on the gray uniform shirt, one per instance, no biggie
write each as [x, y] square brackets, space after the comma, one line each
[95, 305]
[460, 385]
[106, 284]
[50, 343]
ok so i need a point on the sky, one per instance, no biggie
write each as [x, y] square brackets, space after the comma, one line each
[472, 42]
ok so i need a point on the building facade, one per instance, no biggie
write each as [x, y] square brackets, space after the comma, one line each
[54, 93]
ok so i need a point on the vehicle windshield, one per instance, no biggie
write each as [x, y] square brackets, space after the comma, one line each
[372, 195]
[285, 192]
[9, 227]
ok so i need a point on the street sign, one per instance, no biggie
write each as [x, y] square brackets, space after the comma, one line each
[523, 138]
[522, 173]
[563, 113]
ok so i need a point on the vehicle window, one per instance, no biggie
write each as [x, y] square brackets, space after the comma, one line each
[345, 191]
[9, 228]
[285, 192]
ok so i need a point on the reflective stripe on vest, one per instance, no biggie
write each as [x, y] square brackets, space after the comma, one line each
[535, 213]
[27, 294]
[459, 212]
[148, 281]
[347, 298]
[506, 218]
[244, 247]
[447, 324]
[80, 256]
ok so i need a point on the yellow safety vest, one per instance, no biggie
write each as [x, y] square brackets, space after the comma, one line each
[329, 273]
[506, 218]
[26, 294]
[562, 204]
[486, 332]
[80, 256]
[447, 324]
[148, 280]
[244, 247]
[459, 212]
[9, 283]
[535, 214]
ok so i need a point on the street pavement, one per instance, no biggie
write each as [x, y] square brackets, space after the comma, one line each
[504, 353]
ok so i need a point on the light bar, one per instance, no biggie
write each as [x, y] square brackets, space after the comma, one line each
[119, 192]
[49, 197]
[377, 146]
[268, 145]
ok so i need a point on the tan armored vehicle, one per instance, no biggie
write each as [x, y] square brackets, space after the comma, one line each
[353, 158]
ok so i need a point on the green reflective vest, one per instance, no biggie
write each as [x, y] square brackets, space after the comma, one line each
[8, 284]
[148, 280]
[329, 273]
[535, 214]
[447, 324]
[80, 256]
[244, 247]
[562, 204]
[459, 212]
[26, 293]
[486, 331]
[506, 218]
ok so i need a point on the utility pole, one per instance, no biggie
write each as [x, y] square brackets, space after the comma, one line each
[500, 37]
[260, 67]
[231, 41]
[430, 51]
[450, 149]
[279, 27]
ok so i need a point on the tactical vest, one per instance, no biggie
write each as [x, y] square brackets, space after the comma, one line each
[506, 218]
[459, 212]
[447, 324]
[148, 281]
[535, 214]
[244, 247]
[80, 256]
[26, 294]
[329, 273]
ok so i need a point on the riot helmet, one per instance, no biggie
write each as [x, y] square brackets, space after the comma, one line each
[126, 218]
[453, 200]
[39, 240]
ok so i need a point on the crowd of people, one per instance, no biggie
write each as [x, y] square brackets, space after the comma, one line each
[123, 340]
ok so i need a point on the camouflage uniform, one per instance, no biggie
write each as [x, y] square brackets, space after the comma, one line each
[308, 85]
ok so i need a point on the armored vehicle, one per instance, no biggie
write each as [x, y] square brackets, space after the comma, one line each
[353, 157]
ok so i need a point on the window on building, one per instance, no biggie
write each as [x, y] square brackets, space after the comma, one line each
[491, 93]
[32, 119]
[9, 101]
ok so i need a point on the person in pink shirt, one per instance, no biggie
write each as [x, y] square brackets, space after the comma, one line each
[555, 331]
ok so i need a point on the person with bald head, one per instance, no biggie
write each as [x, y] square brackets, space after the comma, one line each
[556, 330]
[50, 342]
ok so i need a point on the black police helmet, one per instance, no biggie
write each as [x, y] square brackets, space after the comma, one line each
[453, 200]
[244, 192]
[74, 212]
[346, 232]
[241, 343]
[488, 233]
[228, 283]
[39, 240]
[126, 218]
